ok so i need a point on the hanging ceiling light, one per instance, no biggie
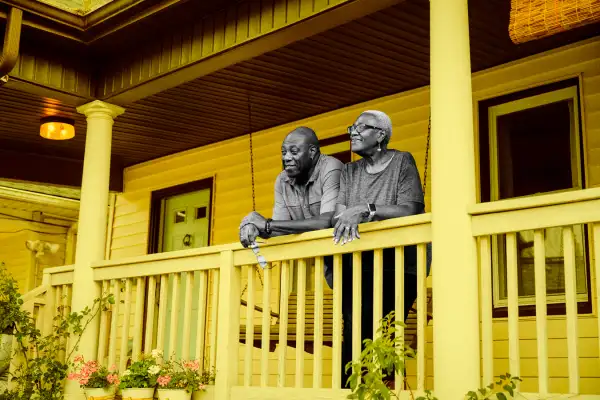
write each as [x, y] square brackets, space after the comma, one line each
[57, 128]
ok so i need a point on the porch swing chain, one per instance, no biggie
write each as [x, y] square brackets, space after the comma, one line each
[427, 147]
[426, 157]
[255, 266]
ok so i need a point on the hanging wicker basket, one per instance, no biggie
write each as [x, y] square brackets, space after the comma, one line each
[535, 19]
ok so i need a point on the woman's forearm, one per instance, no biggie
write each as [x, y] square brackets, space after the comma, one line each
[396, 211]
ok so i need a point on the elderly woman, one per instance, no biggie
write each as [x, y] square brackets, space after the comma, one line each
[384, 184]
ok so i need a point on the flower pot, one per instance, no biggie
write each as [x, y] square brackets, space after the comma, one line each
[100, 393]
[137, 394]
[208, 394]
[173, 394]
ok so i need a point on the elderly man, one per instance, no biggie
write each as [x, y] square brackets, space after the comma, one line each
[306, 191]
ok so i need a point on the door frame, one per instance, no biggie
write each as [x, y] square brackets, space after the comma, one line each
[156, 214]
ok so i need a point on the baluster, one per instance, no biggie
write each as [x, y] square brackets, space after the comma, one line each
[539, 257]
[173, 332]
[266, 329]
[187, 315]
[103, 326]
[112, 344]
[421, 313]
[125, 326]
[318, 339]
[487, 337]
[399, 305]
[162, 313]
[571, 308]
[356, 305]
[138, 318]
[149, 338]
[336, 379]
[300, 323]
[283, 321]
[513, 304]
[248, 359]
[201, 323]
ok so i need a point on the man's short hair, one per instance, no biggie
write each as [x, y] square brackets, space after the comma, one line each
[308, 134]
[383, 121]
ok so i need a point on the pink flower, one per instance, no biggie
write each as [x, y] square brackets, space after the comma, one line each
[83, 381]
[113, 379]
[78, 358]
[193, 365]
[164, 380]
[73, 376]
[113, 368]
[202, 386]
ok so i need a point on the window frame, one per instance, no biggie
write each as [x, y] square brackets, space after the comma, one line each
[489, 111]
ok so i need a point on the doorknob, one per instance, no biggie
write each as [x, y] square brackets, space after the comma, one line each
[187, 240]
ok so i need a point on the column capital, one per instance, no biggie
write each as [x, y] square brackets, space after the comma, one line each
[100, 108]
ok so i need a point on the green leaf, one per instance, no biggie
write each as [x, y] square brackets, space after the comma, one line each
[501, 396]
[490, 386]
[502, 376]
[509, 389]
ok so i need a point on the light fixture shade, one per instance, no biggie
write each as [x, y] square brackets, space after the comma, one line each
[57, 128]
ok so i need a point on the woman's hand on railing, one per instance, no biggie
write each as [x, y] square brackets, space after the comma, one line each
[346, 227]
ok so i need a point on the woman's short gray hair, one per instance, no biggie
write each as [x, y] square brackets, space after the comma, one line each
[383, 121]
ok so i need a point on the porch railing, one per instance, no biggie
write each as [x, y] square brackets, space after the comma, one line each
[501, 228]
[208, 303]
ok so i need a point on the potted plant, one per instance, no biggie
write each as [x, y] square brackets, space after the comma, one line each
[10, 307]
[178, 379]
[206, 390]
[139, 380]
[97, 381]
[39, 371]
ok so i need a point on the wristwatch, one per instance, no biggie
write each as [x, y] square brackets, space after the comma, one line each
[372, 210]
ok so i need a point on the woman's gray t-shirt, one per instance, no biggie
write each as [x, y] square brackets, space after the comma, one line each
[399, 183]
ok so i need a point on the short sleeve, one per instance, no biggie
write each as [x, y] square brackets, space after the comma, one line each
[331, 186]
[343, 195]
[409, 182]
[280, 211]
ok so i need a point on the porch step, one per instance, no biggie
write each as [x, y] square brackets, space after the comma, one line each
[410, 332]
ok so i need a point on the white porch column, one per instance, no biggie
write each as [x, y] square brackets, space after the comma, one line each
[93, 214]
[455, 281]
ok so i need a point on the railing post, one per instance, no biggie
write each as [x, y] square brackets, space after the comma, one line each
[455, 279]
[228, 326]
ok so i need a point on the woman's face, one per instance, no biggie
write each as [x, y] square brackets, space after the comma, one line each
[365, 135]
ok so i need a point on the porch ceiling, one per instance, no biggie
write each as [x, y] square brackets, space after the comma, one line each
[381, 54]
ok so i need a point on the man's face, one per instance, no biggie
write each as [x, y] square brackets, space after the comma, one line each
[364, 137]
[296, 155]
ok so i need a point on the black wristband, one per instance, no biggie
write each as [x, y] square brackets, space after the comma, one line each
[268, 230]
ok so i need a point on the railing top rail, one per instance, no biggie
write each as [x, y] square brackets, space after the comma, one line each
[529, 202]
[536, 212]
[291, 246]
[393, 223]
[179, 254]
[374, 235]
[56, 270]
[32, 294]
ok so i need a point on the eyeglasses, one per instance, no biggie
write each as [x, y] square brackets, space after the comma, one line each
[259, 257]
[360, 128]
